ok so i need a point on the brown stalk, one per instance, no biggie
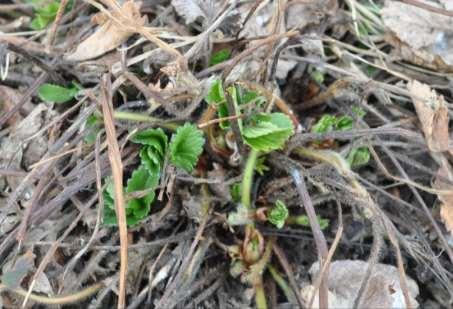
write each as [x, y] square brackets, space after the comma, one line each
[117, 173]
[428, 7]
[323, 270]
[56, 23]
[320, 240]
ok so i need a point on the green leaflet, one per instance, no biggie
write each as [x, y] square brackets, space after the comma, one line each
[267, 132]
[186, 146]
[219, 57]
[46, 12]
[57, 94]
[138, 208]
[358, 157]
[278, 214]
[325, 124]
[152, 153]
[215, 94]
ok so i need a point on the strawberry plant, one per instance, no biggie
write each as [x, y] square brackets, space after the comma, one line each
[327, 123]
[183, 151]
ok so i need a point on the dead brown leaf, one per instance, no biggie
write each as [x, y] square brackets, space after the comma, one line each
[110, 34]
[444, 173]
[420, 36]
[8, 98]
[345, 278]
[433, 115]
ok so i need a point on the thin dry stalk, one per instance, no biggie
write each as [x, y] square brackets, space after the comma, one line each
[332, 250]
[320, 240]
[117, 173]
[56, 23]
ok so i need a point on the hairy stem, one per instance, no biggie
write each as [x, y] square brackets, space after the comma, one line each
[282, 284]
[260, 296]
[247, 181]
[130, 116]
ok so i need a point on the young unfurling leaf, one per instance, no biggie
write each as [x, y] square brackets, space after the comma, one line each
[278, 214]
[154, 147]
[186, 146]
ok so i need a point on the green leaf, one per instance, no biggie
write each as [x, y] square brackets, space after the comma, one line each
[39, 22]
[325, 124]
[358, 157]
[109, 203]
[44, 15]
[215, 94]
[222, 112]
[56, 94]
[267, 132]
[235, 191]
[186, 146]
[278, 214]
[92, 125]
[219, 57]
[138, 208]
[344, 123]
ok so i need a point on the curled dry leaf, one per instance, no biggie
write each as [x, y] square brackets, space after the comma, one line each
[191, 10]
[345, 278]
[444, 174]
[420, 36]
[304, 13]
[432, 113]
[110, 34]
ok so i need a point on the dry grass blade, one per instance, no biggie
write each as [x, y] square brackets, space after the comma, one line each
[117, 173]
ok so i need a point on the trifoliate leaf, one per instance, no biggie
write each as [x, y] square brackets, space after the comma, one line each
[56, 94]
[267, 132]
[278, 214]
[325, 124]
[136, 208]
[186, 146]
[215, 94]
[219, 57]
[358, 157]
